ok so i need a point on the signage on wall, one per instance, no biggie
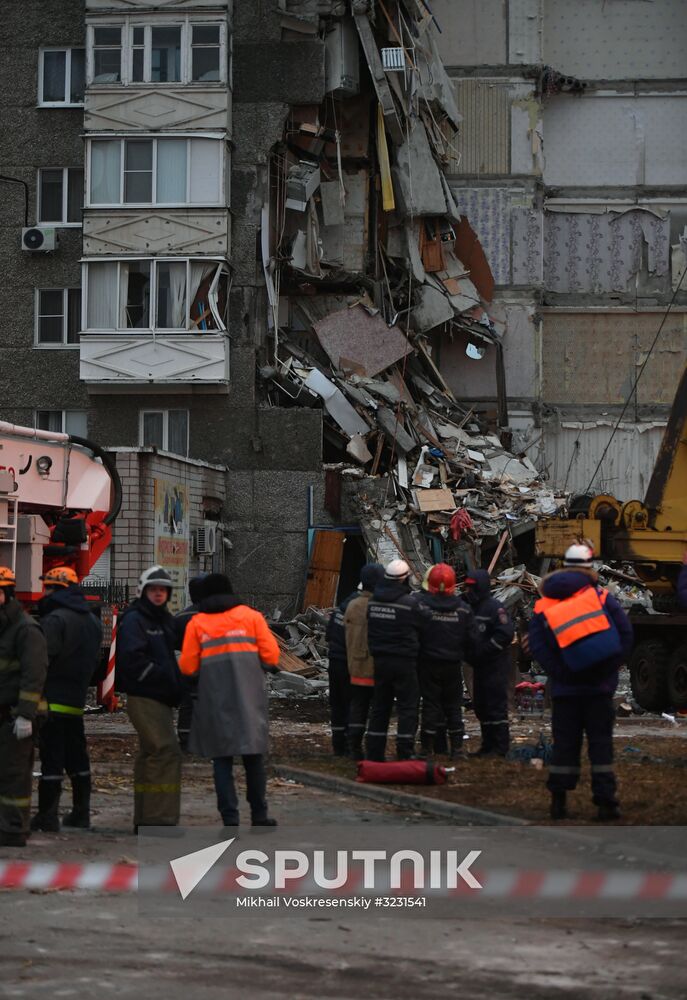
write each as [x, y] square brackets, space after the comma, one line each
[172, 535]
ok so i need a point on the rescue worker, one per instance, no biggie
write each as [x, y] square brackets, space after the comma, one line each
[147, 672]
[448, 638]
[181, 620]
[74, 637]
[339, 680]
[491, 662]
[394, 623]
[361, 668]
[581, 637]
[230, 646]
[23, 666]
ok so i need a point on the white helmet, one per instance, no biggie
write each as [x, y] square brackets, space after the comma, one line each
[154, 575]
[579, 555]
[397, 569]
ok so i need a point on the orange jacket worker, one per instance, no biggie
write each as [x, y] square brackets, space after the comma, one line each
[229, 645]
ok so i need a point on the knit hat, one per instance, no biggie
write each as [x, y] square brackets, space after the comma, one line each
[215, 583]
[370, 575]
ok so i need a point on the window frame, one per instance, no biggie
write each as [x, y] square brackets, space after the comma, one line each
[186, 23]
[221, 266]
[165, 428]
[40, 221]
[64, 344]
[90, 55]
[222, 165]
[68, 49]
[63, 413]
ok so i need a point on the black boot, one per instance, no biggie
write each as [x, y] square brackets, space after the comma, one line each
[456, 748]
[47, 818]
[80, 816]
[426, 744]
[355, 745]
[265, 821]
[440, 741]
[558, 809]
[608, 811]
[12, 839]
[340, 743]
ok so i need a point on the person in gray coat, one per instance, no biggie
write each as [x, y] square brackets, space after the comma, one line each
[230, 646]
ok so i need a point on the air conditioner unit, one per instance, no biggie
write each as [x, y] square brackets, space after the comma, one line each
[206, 539]
[38, 240]
[342, 61]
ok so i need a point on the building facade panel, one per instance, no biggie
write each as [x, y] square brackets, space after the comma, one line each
[157, 108]
[123, 360]
[158, 232]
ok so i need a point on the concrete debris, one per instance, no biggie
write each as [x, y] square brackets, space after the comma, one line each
[368, 253]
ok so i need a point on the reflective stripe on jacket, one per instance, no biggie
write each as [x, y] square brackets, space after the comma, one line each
[575, 617]
[227, 649]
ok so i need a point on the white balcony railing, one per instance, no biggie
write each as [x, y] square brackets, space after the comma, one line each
[171, 359]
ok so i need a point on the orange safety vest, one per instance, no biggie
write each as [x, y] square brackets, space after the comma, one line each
[575, 617]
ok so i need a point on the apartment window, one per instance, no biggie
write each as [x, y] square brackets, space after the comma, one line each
[60, 195]
[205, 52]
[182, 171]
[58, 316]
[107, 54]
[154, 295]
[187, 51]
[61, 77]
[62, 421]
[165, 429]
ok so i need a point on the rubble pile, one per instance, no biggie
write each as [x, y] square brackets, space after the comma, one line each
[369, 257]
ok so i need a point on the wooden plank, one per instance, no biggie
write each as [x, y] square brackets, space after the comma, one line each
[374, 62]
[293, 664]
[324, 569]
[430, 500]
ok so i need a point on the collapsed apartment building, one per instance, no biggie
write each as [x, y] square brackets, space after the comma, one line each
[420, 252]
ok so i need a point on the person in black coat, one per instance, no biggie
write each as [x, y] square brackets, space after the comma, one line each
[339, 679]
[491, 662]
[181, 620]
[447, 639]
[394, 624]
[74, 637]
[146, 670]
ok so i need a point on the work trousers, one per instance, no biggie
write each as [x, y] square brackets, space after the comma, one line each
[256, 788]
[16, 770]
[184, 719]
[395, 680]
[571, 718]
[490, 702]
[62, 743]
[339, 702]
[441, 686]
[157, 769]
[361, 699]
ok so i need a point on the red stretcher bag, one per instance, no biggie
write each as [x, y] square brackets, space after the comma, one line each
[401, 772]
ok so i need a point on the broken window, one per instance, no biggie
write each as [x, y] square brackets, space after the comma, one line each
[155, 171]
[154, 295]
[165, 55]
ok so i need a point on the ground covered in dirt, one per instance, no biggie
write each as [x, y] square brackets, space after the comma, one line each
[651, 765]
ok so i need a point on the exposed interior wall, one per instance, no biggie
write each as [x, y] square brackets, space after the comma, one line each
[621, 40]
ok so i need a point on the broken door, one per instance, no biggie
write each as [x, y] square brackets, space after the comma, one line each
[324, 569]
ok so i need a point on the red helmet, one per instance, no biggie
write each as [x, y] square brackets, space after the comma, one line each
[441, 579]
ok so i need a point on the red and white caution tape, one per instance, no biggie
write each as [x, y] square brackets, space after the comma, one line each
[504, 884]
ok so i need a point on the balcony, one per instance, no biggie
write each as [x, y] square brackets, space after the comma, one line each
[170, 362]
